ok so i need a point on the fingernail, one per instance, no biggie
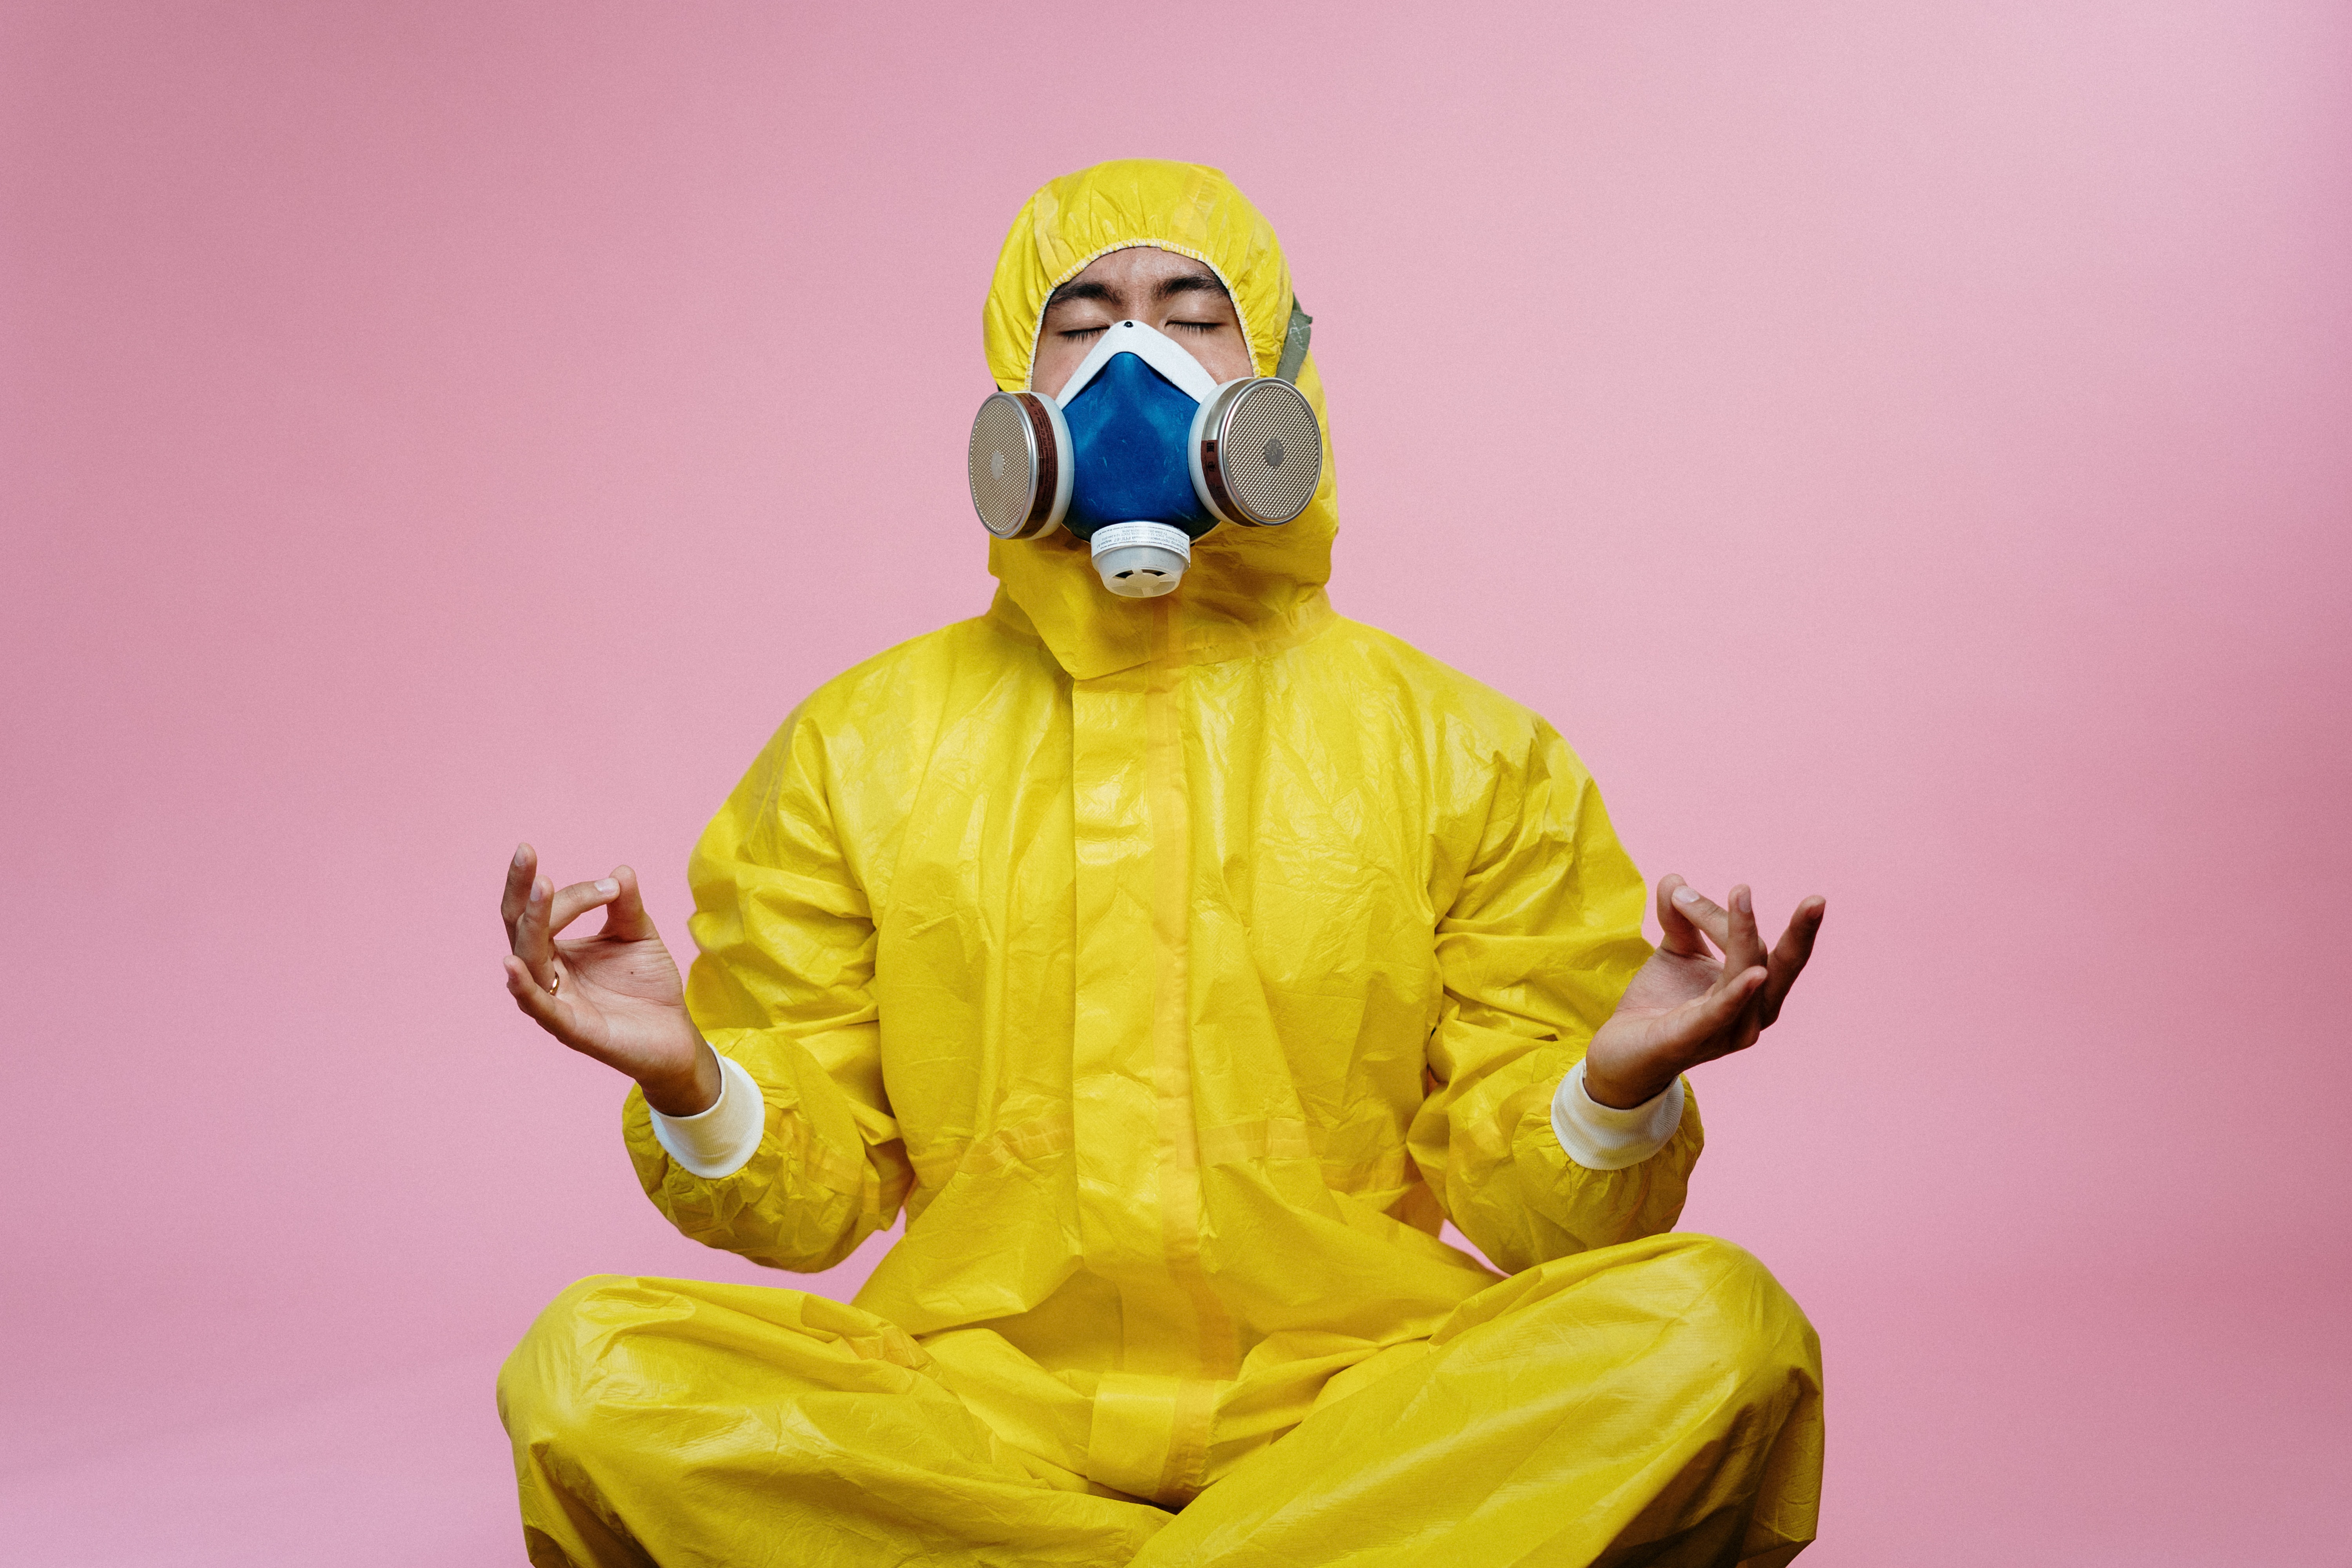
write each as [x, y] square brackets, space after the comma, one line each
[522, 853]
[1739, 901]
[608, 887]
[541, 889]
[1685, 895]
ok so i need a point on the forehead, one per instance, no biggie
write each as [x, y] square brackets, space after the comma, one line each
[1132, 267]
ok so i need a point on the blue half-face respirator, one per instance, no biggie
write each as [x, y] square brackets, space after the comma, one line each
[1143, 453]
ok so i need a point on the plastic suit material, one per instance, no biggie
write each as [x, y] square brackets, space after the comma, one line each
[1176, 966]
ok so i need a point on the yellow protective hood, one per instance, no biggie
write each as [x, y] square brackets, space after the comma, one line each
[1249, 589]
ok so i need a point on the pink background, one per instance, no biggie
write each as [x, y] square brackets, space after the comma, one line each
[1902, 446]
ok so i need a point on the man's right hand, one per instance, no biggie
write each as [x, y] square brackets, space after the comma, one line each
[615, 996]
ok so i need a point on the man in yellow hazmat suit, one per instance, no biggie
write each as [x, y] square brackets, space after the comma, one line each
[1176, 966]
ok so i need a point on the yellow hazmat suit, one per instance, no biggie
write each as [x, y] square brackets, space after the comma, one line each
[1178, 964]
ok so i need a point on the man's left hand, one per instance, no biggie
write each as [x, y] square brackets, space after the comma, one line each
[1684, 1006]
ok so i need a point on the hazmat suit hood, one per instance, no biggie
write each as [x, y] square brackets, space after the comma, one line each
[1249, 589]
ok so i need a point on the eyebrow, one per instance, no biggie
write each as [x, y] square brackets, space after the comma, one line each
[1168, 289]
[1189, 283]
[1081, 290]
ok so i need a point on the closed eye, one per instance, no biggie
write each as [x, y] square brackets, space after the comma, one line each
[1199, 326]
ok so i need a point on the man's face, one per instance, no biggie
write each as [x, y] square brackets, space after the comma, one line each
[1170, 293]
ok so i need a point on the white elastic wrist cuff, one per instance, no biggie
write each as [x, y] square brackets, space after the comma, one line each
[1601, 1137]
[720, 1141]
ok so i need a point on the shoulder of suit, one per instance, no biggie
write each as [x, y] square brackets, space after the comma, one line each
[917, 674]
[1432, 689]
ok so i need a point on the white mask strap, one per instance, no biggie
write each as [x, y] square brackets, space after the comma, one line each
[1161, 352]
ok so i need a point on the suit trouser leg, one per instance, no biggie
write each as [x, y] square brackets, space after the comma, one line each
[684, 1424]
[1657, 1402]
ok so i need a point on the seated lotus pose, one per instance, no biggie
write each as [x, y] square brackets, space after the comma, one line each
[1177, 956]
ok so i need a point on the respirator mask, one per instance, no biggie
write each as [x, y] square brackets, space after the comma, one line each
[1143, 452]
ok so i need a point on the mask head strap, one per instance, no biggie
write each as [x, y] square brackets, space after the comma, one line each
[1294, 342]
[1161, 352]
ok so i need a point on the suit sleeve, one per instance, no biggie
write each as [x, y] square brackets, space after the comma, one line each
[1537, 946]
[782, 986]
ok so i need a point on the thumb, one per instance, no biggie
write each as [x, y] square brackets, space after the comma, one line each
[626, 918]
[1676, 935]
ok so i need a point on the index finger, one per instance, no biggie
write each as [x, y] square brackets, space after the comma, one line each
[1790, 955]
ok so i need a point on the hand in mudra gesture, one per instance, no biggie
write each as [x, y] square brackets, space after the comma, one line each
[615, 996]
[1685, 1007]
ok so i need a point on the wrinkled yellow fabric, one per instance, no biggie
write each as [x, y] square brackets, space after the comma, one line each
[1177, 965]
